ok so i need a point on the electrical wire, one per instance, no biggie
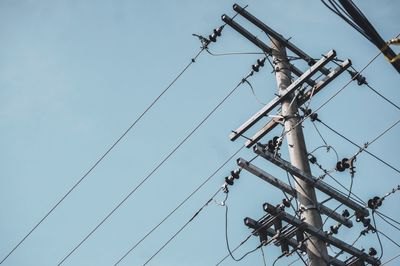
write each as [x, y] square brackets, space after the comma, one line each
[351, 14]
[232, 53]
[388, 238]
[364, 148]
[390, 260]
[334, 95]
[226, 236]
[388, 217]
[383, 97]
[180, 205]
[183, 227]
[377, 235]
[263, 256]
[153, 171]
[193, 60]
[386, 220]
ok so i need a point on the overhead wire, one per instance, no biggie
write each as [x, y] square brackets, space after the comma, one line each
[382, 96]
[390, 260]
[364, 148]
[76, 184]
[377, 235]
[179, 205]
[182, 228]
[133, 190]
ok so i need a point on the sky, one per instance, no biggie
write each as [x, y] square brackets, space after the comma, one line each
[75, 74]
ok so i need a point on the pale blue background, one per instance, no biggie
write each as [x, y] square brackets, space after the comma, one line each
[75, 74]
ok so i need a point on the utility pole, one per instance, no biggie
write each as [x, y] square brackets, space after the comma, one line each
[279, 227]
[316, 248]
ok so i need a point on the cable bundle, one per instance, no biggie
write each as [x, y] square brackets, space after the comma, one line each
[350, 13]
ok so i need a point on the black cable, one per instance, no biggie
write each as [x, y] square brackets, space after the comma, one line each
[304, 262]
[254, 93]
[278, 258]
[388, 238]
[232, 53]
[183, 227]
[361, 148]
[383, 97]
[263, 256]
[335, 94]
[193, 60]
[390, 260]
[377, 235]
[319, 133]
[384, 219]
[152, 172]
[227, 240]
[180, 204]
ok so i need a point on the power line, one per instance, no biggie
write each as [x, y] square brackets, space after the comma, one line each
[383, 97]
[390, 260]
[377, 235]
[183, 227]
[155, 169]
[387, 217]
[193, 60]
[177, 207]
[335, 94]
[364, 148]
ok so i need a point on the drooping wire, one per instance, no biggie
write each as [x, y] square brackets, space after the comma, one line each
[102, 157]
[263, 256]
[232, 53]
[377, 235]
[179, 206]
[133, 190]
[183, 227]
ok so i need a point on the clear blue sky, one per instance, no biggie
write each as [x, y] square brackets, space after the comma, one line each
[75, 74]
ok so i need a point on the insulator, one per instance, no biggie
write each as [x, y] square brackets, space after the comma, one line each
[359, 216]
[312, 159]
[340, 167]
[311, 62]
[286, 203]
[345, 213]
[345, 163]
[256, 67]
[261, 62]
[236, 174]
[377, 201]
[275, 140]
[334, 229]
[213, 37]
[307, 112]
[366, 222]
[372, 252]
[313, 117]
[218, 31]
[229, 181]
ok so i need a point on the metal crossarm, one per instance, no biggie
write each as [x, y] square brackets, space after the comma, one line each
[307, 95]
[266, 49]
[322, 235]
[322, 186]
[295, 244]
[277, 100]
[289, 190]
[261, 25]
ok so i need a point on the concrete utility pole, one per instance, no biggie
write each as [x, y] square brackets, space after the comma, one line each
[316, 248]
